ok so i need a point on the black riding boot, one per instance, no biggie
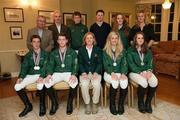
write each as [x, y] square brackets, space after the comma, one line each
[54, 103]
[42, 106]
[150, 95]
[112, 98]
[140, 93]
[122, 96]
[72, 93]
[28, 106]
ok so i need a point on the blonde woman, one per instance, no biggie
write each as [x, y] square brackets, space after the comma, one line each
[90, 67]
[143, 26]
[115, 66]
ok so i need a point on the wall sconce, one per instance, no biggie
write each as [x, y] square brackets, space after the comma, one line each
[31, 3]
[166, 4]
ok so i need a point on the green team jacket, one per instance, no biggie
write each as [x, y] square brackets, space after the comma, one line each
[27, 67]
[121, 67]
[71, 62]
[134, 61]
[77, 33]
[93, 64]
[124, 39]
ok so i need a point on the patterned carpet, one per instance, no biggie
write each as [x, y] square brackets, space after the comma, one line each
[10, 108]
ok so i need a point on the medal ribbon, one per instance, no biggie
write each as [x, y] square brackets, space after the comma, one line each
[113, 57]
[62, 56]
[36, 58]
[141, 56]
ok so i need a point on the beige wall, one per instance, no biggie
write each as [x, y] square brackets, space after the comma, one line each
[90, 6]
[8, 47]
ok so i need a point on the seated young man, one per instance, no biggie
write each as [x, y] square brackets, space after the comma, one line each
[62, 66]
[32, 71]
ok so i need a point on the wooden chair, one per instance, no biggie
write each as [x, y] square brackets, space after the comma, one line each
[134, 85]
[91, 87]
[31, 88]
[64, 86]
[107, 86]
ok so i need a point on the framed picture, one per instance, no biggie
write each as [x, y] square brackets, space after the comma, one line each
[67, 19]
[47, 14]
[113, 14]
[16, 32]
[13, 14]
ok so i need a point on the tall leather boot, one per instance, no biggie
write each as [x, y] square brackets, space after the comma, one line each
[28, 106]
[122, 97]
[112, 98]
[72, 93]
[140, 93]
[42, 106]
[150, 95]
[54, 103]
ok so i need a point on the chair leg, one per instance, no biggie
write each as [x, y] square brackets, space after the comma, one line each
[155, 100]
[129, 96]
[105, 95]
[78, 90]
[101, 96]
[132, 96]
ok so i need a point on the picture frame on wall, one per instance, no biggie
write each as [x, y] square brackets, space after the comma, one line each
[13, 14]
[48, 15]
[113, 14]
[67, 19]
[16, 32]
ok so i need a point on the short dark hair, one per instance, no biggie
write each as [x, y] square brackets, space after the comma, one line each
[35, 36]
[65, 35]
[102, 11]
[76, 13]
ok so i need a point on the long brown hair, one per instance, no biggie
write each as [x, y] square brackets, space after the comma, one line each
[125, 24]
[144, 46]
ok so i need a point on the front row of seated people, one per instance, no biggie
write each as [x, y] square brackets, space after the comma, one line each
[64, 64]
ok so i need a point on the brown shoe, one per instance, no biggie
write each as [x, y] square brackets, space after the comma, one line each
[94, 108]
[87, 109]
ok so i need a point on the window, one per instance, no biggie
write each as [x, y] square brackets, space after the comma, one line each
[170, 24]
[156, 11]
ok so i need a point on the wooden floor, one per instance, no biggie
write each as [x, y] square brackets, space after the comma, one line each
[168, 88]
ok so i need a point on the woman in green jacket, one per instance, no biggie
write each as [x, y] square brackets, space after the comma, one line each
[62, 66]
[90, 67]
[121, 26]
[32, 71]
[140, 63]
[115, 67]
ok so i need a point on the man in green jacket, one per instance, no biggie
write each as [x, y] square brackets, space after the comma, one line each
[32, 71]
[78, 30]
[62, 66]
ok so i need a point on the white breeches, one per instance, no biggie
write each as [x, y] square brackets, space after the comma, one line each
[115, 83]
[152, 82]
[59, 77]
[29, 79]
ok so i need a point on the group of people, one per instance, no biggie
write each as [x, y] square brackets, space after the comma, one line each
[78, 57]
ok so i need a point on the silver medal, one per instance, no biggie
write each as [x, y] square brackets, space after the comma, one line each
[142, 63]
[36, 67]
[62, 65]
[114, 64]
